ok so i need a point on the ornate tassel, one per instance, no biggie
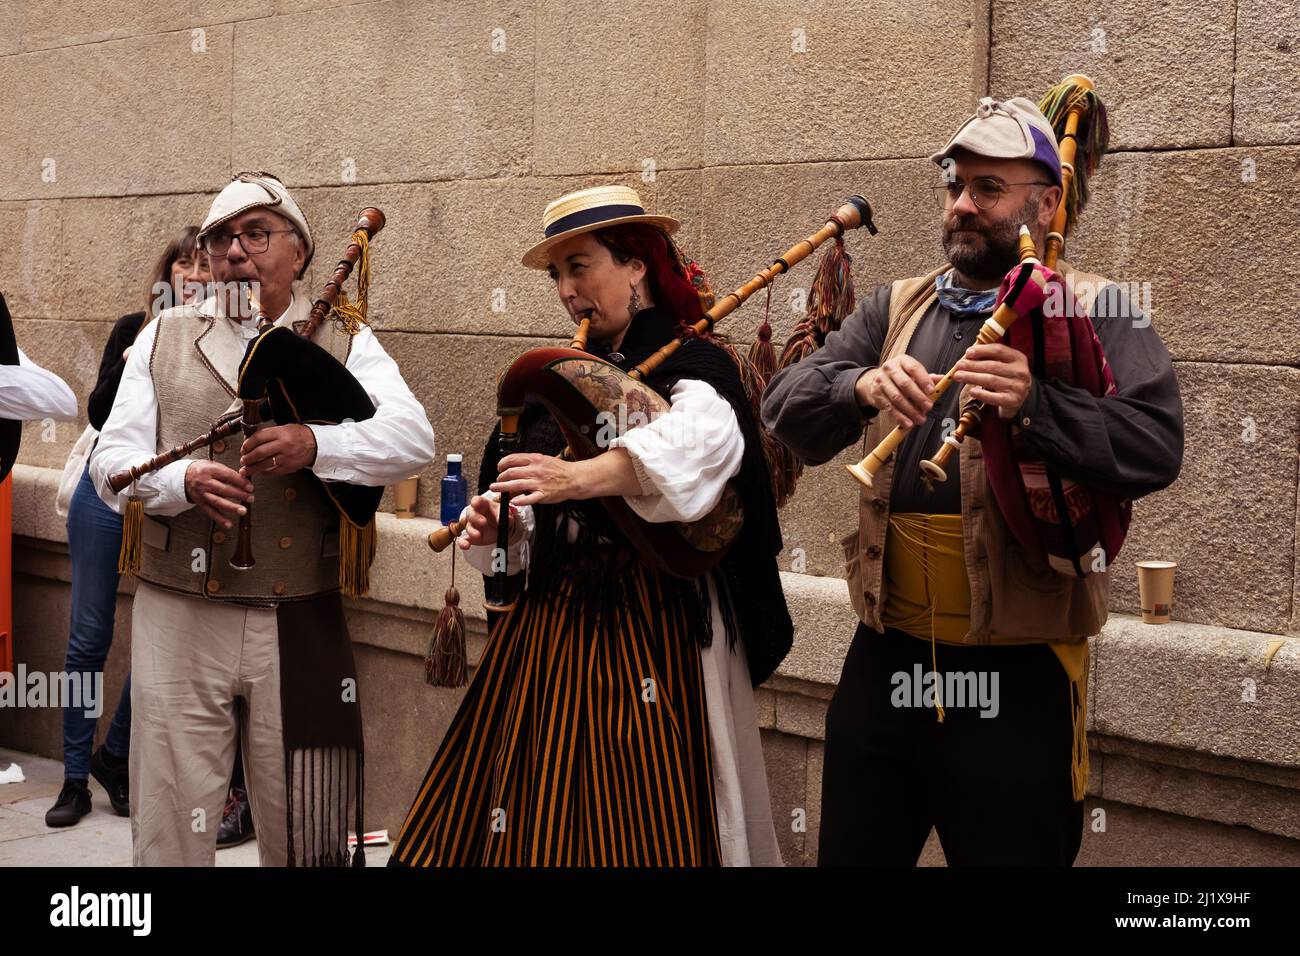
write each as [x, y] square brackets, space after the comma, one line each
[801, 344]
[830, 301]
[1092, 137]
[756, 370]
[444, 664]
[761, 355]
[750, 380]
[356, 553]
[785, 467]
[349, 314]
[128, 558]
[831, 298]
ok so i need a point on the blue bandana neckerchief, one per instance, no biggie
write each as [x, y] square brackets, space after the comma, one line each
[963, 303]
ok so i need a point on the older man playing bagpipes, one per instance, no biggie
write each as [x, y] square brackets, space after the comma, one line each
[976, 591]
[237, 624]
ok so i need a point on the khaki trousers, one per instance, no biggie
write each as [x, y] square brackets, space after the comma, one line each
[191, 661]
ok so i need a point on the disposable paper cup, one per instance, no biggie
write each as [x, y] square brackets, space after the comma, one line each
[404, 494]
[1156, 590]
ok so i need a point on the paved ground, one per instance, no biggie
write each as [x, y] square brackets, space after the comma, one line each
[102, 838]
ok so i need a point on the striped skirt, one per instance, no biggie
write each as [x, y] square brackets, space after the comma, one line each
[582, 740]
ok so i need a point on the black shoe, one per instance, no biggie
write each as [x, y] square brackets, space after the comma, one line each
[111, 773]
[236, 821]
[72, 805]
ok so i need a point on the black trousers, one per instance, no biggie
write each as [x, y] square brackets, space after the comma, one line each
[996, 788]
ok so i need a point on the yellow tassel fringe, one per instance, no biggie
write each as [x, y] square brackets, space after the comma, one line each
[128, 558]
[356, 553]
[352, 315]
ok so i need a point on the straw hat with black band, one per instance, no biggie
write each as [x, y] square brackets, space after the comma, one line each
[588, 210]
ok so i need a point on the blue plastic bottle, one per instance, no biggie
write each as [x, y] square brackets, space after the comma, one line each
[454, 492]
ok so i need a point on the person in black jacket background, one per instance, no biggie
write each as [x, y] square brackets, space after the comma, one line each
[94, 537]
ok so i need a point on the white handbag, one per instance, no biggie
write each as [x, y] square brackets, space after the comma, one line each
[72, 469]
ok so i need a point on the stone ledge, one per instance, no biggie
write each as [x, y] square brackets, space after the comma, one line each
[1177, 686]
[1187, 686]
[34, 493]
[1190, 784]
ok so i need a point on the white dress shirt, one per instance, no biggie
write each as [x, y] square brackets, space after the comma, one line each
[395, 443]
[30, 393]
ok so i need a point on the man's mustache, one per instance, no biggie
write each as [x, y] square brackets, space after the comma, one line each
[961, 224]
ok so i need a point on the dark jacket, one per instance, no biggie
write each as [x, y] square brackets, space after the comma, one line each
[111, 365]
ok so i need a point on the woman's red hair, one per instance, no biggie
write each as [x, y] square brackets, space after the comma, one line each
[669, 285]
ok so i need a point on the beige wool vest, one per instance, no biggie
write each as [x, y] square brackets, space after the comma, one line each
[1014, 597]
[295, 536]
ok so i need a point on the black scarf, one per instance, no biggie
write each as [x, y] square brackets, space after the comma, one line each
[747, 579]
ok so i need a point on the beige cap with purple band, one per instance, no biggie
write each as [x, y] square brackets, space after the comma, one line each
[1007, 129]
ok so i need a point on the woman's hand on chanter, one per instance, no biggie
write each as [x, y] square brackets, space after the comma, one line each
[482, 522]
[534, 479]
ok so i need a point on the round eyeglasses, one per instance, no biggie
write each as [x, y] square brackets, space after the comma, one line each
[985, 191]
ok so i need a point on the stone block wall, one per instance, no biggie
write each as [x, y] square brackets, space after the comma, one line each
[749, 120]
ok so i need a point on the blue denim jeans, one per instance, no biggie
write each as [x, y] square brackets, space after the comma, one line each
[94, 538]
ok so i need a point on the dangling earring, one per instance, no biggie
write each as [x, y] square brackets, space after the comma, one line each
[634, 303]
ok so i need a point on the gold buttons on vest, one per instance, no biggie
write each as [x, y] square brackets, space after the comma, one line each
[214, 587]
[278, 587]
[285, 543]
[879, 504]
[290, 493]
[218, 446]
[218, 537]
[873, 551]
[1024, 422]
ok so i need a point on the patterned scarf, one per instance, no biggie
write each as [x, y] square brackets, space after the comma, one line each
[963, 303]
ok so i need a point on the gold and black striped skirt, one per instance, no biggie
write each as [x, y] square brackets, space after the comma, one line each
[582, 740]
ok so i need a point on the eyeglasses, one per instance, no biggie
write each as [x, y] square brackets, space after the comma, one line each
[252, 241]
[985, 192]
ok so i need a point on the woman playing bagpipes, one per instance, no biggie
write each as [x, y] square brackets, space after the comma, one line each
[611, 720]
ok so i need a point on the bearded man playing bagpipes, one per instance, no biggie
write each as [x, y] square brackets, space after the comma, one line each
[993, 580]
[242, 631]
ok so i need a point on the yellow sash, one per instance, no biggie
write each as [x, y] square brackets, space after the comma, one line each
[927, 595]
[927, 590]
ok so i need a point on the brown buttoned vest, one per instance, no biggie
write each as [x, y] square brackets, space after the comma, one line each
[295, 537]
[1014, 597]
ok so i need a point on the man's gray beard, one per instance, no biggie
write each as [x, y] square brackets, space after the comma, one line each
[1000, 252]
